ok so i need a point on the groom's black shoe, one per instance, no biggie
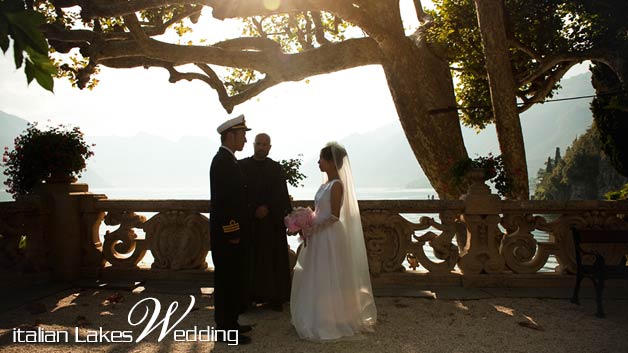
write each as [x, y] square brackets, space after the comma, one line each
[276, 306]
[242, 340]
[244, 328]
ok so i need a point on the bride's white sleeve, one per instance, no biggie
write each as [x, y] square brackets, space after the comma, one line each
[319, 225]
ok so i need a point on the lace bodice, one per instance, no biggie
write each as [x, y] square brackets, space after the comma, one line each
[322, 201]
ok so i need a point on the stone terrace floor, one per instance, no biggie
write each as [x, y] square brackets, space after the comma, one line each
[410, 320]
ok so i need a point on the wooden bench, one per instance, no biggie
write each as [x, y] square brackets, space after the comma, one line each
[599, 271]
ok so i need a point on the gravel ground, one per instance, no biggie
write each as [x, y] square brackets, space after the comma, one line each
[404, 325]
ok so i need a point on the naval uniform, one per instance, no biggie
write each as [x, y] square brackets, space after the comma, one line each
[228, 220]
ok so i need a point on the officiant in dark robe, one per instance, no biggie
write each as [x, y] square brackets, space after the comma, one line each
[269, 203]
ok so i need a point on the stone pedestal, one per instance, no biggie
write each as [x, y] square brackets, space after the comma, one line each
[64, 233]
[482, 216]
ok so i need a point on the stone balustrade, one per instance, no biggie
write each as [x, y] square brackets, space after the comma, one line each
[479, 240]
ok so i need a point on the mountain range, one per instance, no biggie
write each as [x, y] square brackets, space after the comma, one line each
[384, 158]
[380, 158]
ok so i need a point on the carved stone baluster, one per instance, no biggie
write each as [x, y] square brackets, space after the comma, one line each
[388, 238]
[178, 240]
[442, 244]
[121, 248]
[520, 250]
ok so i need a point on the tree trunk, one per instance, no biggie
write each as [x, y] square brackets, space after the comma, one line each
[420, 82]
[502, 86]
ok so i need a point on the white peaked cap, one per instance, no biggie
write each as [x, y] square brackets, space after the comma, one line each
[236, 123]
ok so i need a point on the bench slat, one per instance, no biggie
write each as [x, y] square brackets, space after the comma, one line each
[603, 236]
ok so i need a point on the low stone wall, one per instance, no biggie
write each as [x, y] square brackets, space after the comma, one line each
[477, 241]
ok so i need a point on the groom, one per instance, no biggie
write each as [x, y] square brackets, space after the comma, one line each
[229, 228]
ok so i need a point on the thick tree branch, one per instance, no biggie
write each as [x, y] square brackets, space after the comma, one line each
[136, 30]
[66, 3]
[329, 58]
[214, 82]
[251, 91]
[526, 49]
[547, 65]
[222, 9]
[209, 77]
[420, 13]
[298, 33]
[91, 9]
[54, 32]
[132, 62]
[247, 8]
[250, 43]
[319, 30]
[212, 79]
[548, 86]
[137, 49]
[192, 11]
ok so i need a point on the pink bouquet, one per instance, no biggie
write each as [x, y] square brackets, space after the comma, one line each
[299, 218]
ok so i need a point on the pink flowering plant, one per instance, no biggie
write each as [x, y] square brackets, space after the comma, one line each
[299, 219]
[40, 154]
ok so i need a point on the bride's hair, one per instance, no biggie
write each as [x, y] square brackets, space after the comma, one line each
[334, 152]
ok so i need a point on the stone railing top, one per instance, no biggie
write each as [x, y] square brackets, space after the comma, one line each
[201, 206]
[25, 204]
[425, 206]
[401, 206]
[539, 206]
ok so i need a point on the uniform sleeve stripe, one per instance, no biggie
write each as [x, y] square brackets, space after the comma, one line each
[231, 228]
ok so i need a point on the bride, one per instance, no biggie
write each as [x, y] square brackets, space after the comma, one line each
[331, 294]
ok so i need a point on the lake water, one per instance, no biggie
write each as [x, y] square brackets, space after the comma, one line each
[297, 194]
[305, 193]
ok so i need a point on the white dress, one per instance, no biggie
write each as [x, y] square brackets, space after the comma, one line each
[327, 302]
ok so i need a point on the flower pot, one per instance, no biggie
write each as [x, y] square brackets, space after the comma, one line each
[60, 178]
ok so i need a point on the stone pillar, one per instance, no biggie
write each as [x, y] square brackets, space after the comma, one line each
[482, 216]
[64, 233]
[92, 259]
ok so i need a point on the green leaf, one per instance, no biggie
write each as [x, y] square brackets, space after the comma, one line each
[44, 79]
[28, 23]
[29, 70]
[43, 62]
[18, 54]
[11, 5]
[4, 34]
[40, 68]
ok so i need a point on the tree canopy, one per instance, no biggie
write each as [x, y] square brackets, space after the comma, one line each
[610, 113]
[546, 39]
[584, 173]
